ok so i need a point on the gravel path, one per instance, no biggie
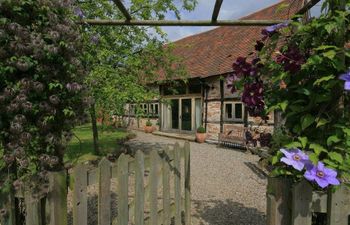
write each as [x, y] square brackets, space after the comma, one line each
[226, 187]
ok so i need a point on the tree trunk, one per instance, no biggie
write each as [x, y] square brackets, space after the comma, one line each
[94, 129]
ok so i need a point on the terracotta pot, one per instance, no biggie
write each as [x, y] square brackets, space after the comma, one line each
[200, 137]
[149, 129]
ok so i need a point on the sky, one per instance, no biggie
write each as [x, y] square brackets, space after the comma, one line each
[230, 9]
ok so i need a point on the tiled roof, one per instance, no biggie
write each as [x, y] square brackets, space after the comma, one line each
[213, 52]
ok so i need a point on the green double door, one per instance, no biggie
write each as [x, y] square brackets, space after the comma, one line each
[183, 114]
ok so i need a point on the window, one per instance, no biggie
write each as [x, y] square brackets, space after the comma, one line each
[132, 109]
[153, 109]
[234, 111]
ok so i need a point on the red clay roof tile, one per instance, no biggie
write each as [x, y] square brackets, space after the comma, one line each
[213, 52]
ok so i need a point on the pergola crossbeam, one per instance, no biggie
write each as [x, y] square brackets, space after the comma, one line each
[122, 8]
[182, 22]
[216, 10]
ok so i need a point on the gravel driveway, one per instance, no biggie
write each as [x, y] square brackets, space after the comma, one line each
[227, 189]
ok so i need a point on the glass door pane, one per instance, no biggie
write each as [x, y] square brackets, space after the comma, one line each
[175, 113]
[186, 114]
[198, 111]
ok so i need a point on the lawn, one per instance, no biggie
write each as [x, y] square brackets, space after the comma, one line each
[82, 150]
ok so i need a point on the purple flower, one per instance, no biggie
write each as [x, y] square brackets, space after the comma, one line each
[95, 39]
[270, 30]
[78, 12]
[346, 78]
[322, 175]
[295, 158]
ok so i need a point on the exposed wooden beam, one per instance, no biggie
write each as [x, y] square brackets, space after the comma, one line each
[308, 6]
[122, 8]
[182, 22]
[216, 10]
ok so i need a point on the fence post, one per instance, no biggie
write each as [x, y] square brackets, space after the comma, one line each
[139, 188]
[153, 188]
[177, 174]
[104, 192]
[187, 174]
[166, 188]
[123, 179]
[79, 195]
[338, 206]
[302, 203]
[278, 201]
[56, 203]
[7, 203]
[33, 209]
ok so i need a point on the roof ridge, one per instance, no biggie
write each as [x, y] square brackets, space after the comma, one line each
[291, 2]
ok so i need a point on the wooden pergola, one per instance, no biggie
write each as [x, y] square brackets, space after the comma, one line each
[129, 21]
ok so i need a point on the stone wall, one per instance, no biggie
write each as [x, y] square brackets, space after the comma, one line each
[139, 124]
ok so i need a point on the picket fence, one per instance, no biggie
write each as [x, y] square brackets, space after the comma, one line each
[167, 172]
[299, 204]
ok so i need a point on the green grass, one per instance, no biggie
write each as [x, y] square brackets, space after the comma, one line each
[108, 143]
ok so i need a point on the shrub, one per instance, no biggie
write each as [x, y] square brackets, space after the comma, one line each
[149, 123]
[201, 130]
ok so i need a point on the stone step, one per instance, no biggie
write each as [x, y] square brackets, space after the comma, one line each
[187, 137]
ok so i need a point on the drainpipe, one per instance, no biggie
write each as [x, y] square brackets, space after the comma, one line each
[221, 106]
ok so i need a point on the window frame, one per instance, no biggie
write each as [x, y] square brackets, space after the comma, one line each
[233, 112]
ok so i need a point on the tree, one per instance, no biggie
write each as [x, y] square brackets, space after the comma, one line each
[124, 59]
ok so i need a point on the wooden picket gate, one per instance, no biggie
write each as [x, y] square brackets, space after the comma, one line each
[295, 204]
[168, 175]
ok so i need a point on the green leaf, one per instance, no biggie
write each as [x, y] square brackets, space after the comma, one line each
[330, 54]
[313, 158]
[322, 79]
[332, 139]
[303, 141]
[303, 91]
[306, 121]
[321, 122]
[317, 148]
[329, 163]
[274, 160]
[283, 105]
[336, 157]
[294, 144]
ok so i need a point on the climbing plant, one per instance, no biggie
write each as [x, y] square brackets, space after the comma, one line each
[302, 70]
[41, 88]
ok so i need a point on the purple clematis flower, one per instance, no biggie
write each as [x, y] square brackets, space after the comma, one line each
[346, 78]
[322, 175]
[270, 30]
[295, 158]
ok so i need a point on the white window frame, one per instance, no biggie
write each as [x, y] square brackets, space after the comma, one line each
[233, 107]
[152, 107]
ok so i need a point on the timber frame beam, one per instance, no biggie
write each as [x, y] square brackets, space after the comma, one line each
[122, 8]
[182, 22]
[216, 10]
[213, 22]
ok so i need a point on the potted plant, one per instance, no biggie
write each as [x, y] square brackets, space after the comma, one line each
[148, 127]
[201, 134]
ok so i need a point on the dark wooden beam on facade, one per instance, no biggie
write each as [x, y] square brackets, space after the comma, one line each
[308, 6]
[122, 8]
[181, 22]
[216, 10]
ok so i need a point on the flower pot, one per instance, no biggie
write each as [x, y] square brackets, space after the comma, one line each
[149, 129]
[200, 137]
